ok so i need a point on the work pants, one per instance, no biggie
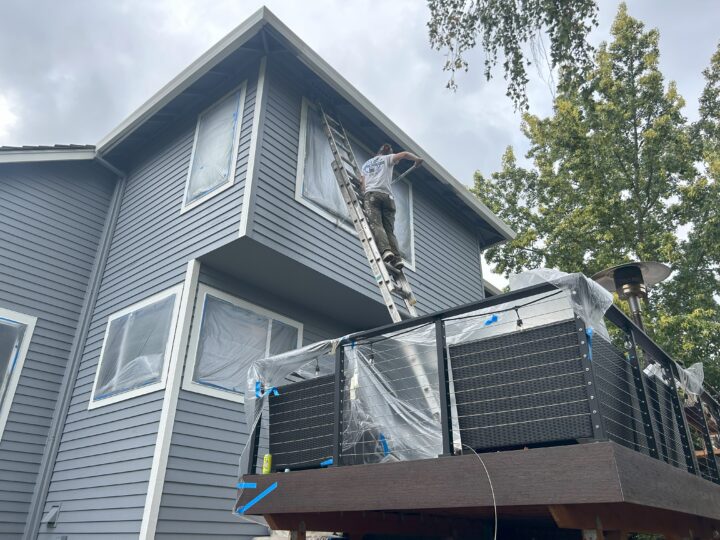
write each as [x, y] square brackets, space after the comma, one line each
[380, 212]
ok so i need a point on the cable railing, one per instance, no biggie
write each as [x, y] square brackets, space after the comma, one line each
[518, 370]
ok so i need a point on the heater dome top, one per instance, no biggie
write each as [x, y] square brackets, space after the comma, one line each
[646, 273]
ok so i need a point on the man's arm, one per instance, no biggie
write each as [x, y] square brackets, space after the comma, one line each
[406, 155]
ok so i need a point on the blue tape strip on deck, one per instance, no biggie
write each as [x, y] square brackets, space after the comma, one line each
[246, 485]
[257, 499]
[492, 319]
[383, 441]
[589, 333]
[327, 462]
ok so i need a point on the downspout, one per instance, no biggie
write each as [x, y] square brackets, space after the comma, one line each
[42, 485]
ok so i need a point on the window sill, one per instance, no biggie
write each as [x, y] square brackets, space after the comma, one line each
[130, 394]
[198, 388]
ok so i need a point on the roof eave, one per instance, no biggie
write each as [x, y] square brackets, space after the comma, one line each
[326, 72]
[185, 78]
[26, 156]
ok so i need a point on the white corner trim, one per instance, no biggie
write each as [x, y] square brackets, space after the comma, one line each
[203, 291]
[237, 130]
[154, 387]
[254, 149]
[167, 414]
[29, 321]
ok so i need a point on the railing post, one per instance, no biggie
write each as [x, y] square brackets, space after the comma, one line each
[255, 438]
[712, 462]
[642, 394]
[598, 423]
[444, 388]
[680, 418]
[339, 395]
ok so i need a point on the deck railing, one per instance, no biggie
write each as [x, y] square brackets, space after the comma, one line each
[522, 369]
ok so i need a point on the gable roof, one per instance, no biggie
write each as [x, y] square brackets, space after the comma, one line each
[241, 36]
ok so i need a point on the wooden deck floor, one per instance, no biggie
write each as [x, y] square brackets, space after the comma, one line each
[573, 487]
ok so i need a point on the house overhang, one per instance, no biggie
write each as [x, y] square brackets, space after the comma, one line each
[249, 41]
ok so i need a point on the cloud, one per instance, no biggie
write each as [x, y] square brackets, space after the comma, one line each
[77, 68]
[8, 119]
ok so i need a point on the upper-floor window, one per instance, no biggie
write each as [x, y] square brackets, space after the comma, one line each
[227, 335]
[15, 333]
[317, 187]
[136, 349]
[214, 153]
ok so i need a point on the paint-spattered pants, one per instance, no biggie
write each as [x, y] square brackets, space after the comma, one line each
[380, 212]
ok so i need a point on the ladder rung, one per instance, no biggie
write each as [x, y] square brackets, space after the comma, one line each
[332, 120]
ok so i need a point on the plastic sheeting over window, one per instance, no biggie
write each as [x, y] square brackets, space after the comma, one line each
[212, 161]
[135, 347]
[231, 338]
[320, 186]
[11, 335]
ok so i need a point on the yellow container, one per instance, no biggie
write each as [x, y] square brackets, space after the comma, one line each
[267, 464]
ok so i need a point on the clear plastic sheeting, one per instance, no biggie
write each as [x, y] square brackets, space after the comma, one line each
[230, 338]
[590, 300]
[691, 381]
[265, 375]
[134, 348]
[214, 144]
[392, 404]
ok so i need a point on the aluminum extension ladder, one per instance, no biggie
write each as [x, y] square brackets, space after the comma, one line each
[392, 283]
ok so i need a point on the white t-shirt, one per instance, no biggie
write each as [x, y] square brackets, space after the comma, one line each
[378, 173]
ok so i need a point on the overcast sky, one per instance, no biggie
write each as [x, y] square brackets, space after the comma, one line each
[72, 70]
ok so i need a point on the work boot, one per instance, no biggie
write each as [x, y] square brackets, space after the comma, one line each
[388, 257]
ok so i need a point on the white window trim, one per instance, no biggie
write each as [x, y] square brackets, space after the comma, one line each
[154, 387]
[339, 223]
[203, 290]
[29, 321]
[236, 145]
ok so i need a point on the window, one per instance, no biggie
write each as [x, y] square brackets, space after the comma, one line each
[135, 352]
[317, 187]
[214, 154]
[227, 335]
[15, 333]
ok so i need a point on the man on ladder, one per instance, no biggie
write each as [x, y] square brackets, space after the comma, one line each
[379, 203]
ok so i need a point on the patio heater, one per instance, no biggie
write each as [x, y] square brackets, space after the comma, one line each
[631, 281]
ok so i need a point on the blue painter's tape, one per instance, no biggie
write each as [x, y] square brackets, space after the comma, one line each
[492, 319]
[352, 345]
[258, 389]
[589, 333]
[257, 499]
[246, 485]
[327, 462]
[383, 441]
[274, 391]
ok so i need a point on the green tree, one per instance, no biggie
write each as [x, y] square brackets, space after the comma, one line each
[613, 178]
[506, 28]
[688, 320]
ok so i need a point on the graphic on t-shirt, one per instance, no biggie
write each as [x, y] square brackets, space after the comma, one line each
[373, 167]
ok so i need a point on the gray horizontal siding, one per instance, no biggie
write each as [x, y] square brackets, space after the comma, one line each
[208, 437]
[52, 217]
[446, 250]
[113, 446]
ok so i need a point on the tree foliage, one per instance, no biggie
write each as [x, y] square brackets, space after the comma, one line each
[506, 28]
[615, 179]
